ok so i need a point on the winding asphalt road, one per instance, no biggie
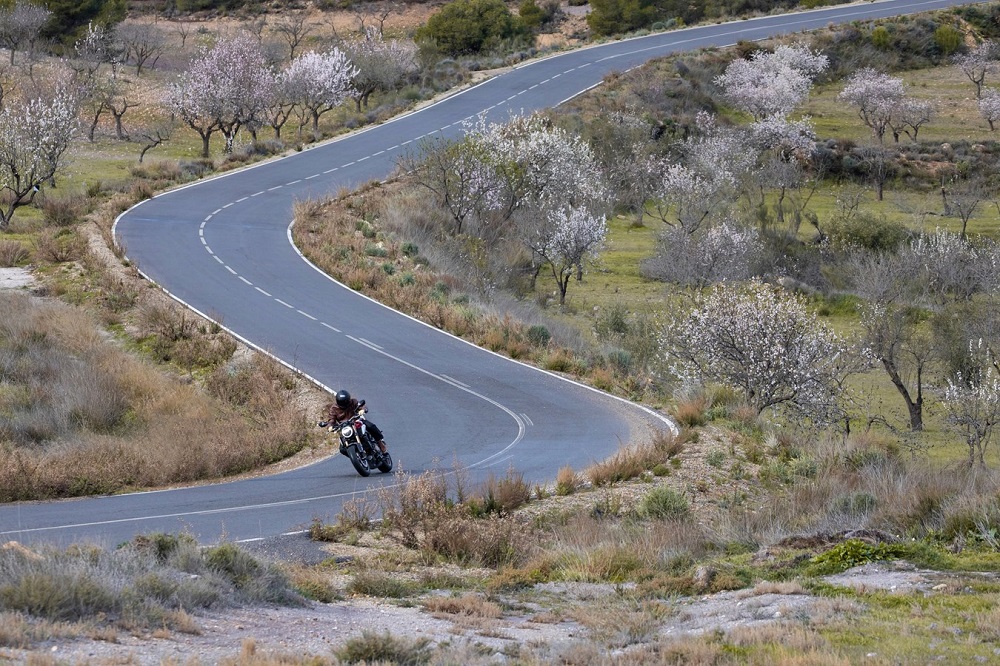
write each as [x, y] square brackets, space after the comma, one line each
[222, 246]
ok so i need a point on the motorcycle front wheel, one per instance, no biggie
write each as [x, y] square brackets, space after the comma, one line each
[359, 460]
[386, 464]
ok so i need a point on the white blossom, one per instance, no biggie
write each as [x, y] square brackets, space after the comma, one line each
[769, 84]
[227, 86]
[320, 82]
[876, 95]
[34, 137]
[989, 106]
[761, 341]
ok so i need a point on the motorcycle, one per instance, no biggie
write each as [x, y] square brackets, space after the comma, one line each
[358, 445]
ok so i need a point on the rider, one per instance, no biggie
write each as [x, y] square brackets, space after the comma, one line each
[343, 407]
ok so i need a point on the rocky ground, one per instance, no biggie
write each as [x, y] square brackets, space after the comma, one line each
[542, 622]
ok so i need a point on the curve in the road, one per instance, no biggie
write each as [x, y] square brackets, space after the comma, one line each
[222, 247]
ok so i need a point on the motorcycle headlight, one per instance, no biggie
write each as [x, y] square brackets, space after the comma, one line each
[347, 432]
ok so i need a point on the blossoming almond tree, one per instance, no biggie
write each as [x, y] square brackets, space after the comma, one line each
[765, 343]
[34, 137]
[227, 86]
[320, 82]
[565, 239]
[381, 64]
[769, 84]
[973, 402]
[876, 95]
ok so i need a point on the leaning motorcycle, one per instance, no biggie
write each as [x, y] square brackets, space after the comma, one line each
[358, 445]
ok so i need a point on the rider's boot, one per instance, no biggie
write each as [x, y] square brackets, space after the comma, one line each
[382, 447]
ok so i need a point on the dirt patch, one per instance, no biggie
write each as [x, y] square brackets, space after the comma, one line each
[16, 278]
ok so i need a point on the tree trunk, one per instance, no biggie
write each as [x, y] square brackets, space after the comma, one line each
[914, 407]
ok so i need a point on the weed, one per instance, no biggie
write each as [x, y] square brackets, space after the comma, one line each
[380, 585]
[12, 253]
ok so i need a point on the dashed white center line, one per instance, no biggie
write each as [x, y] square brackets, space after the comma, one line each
[215, 212]
[209, 248]
[263, 292]
[257, 194]
[533, 87]
[378, 153]
[335, 330]
[294, 182]
[228, 204]
[230, 269]
[218, 259]
[331, 170]
[242, 200]
[347, 165]
[394, 147]
[201, 232]
[315, 175]
[204, 242]
[276, 187]
[284, 303]
[364, 158]
[246, 280]
[306, 314]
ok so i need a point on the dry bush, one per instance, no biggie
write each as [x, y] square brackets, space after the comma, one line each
[58, 246]
[624, 622]
[63, 211]
[495, 541]
[412, 506]
[12, 253]
[504, 494]
[169, 321]
[469, 605]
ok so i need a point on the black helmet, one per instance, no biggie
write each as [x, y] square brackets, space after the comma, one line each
[343, 399]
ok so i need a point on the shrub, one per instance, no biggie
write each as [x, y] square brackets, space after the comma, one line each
[63, 211]
[12, 253]
[374, 648]
[505, 494]
[380, 585]
[664, 503]
[539, 335]
[469, 26]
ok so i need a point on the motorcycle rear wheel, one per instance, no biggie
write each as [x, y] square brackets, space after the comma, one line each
[359, 460]
[386, 464]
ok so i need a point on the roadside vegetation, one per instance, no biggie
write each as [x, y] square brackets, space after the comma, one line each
[790, 247]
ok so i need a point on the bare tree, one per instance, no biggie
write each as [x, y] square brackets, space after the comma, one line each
[376, 12]
[724, 253]
[142, 43]
[183, 30]
[961, 198]
[293, 28]
[977, 63]
[381, 64]
[151, 136]
[878, 162]
[21, 25]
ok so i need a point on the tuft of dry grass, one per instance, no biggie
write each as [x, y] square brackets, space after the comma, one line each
[567, 481]
[12, 253]
[467, 605]
[630, 461]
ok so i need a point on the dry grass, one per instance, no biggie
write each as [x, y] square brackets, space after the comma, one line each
[12, 253]
[467, 605]
[632, 460]
[83, 415]
[567, 481]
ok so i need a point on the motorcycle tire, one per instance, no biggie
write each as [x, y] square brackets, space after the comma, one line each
[359, 461]
[386, 464]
